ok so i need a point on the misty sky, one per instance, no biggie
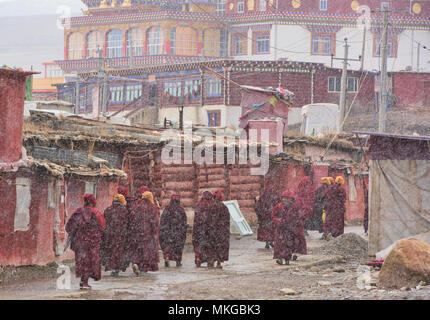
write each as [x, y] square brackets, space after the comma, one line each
[39, 7]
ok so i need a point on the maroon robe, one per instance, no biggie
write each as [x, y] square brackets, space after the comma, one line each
[320, 201]
[219, 231]
[335, 211]
[366, 209]
[305, 197]
[200, 237]
[85, 227]
[263, 208]
[173, 231]
[287, 224]
[114, 237]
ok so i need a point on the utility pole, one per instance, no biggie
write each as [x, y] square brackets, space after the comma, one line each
[418, 57]
[384, 100]
[344, 86]
[77, 97]
[363, 50]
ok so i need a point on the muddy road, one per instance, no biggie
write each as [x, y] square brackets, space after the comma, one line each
[251, 273]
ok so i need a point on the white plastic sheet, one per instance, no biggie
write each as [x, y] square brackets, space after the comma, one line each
[23, 200]
[399, 201]
[320, 118]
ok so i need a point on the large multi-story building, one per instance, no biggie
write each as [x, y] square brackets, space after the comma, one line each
[129, 37]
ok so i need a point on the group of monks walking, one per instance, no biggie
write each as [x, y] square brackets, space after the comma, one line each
[284, 220]
[131, 230]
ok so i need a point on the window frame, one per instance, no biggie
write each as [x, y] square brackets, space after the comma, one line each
[338, 84]
[217, 114]
[76, 53]
[331, 40]
[114, 47]
[116, 94]
[323, 5]
[392, 42]
[236, 38]
[213, 87]
[136, 49]
[260, 7]
[91, 50]
[239, 5]
[256, 36]
[153, 48]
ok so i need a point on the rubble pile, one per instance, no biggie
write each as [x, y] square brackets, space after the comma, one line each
[349, 245]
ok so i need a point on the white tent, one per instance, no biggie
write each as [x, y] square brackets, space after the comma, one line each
[320, 118]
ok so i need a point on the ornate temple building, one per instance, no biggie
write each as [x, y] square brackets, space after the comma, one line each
[149, 50]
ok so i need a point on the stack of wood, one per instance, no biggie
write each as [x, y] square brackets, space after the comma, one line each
[179, 179]
[244, 188]
[212, 177]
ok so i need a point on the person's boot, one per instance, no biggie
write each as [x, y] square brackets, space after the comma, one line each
[136, 269]
[287, 262]
[166, 263]
[294, 257]
[178, 264]
[267, 246]
[218, 265]
[279, 261]
[211, 263]
[114, 273]
[271, 244]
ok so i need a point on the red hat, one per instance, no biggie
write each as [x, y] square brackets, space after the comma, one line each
[218, 195]
[123, 190]
[90, 199]
[143, 189]
[289, 194]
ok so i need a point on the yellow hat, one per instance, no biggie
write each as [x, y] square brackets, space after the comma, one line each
[120, 198]
[325, 180]
[149, 196]
[340, 180]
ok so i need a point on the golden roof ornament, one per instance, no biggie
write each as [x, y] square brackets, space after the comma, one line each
[113, 4]
[103, 4]
[126, 3]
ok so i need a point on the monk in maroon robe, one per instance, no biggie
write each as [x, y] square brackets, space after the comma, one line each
[114, 236]
[320, 201]
[366, 208]
[220, 229]
[263, 208]
[85, 228]
[335, 210]
[200, 237]
[145, 255]
[173, 231]
[287, 220]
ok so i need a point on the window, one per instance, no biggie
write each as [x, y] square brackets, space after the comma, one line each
[214, 87]
[135, 42]
[91, 188]
[184, 41]
[133, 92]
[211, 41]
[262, 5]
[94, 43]
[174, 89]
[192, 88]
[220, 6]
[262, 43]
[352, 84]
[155, 41]
[391, 46]
[53, 71]
[114, 44]
[321, 44]
[214, 118]
[223, 42]
[323, 5]
[240, 44]
[385, 5]
[240, 7]
[335, 84]
[76, 46]
[116, 94]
